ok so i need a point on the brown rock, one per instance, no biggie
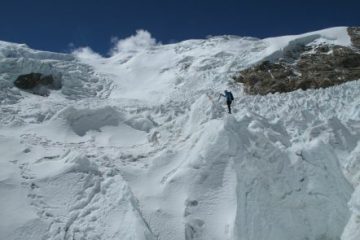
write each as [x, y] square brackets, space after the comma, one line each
[321, 67]
[37, 83]
[354, 33]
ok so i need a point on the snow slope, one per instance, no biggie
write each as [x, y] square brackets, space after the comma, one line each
[138, 146]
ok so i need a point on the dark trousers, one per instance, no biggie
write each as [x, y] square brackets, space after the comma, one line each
[229, 105]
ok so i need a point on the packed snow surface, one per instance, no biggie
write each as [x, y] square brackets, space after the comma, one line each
[139, 146]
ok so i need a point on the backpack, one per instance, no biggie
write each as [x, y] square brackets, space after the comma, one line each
[231, 96]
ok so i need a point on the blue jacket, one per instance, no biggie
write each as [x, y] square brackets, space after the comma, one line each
[228, 95]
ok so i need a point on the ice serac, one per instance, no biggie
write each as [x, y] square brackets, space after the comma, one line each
[351, 231]
[78, 80]
[286, 197]
[139, 145]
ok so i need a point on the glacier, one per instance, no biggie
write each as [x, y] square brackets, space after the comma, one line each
[137, 146]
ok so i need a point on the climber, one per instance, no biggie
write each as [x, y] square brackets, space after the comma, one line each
[229, 98]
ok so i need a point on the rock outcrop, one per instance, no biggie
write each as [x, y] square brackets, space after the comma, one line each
[308, 66]
[354, 33]
[38, 83]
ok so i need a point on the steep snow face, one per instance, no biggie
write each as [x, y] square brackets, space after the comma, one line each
[138, 146]
[157, 73]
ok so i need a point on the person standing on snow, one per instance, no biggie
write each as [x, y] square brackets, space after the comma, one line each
[229, 98]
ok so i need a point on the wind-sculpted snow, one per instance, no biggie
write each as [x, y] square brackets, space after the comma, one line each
[84, 120]
[248, 181]
[139, 146]
[71, 198]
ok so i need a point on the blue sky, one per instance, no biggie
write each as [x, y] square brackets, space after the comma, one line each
[56, 25]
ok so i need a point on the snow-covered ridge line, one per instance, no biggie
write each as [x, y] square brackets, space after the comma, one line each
[336, 36]
[14, 50]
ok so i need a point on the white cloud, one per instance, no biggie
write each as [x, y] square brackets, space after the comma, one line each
[141, 40]
[87, 54]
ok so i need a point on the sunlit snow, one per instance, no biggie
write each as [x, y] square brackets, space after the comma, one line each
[137, 146]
